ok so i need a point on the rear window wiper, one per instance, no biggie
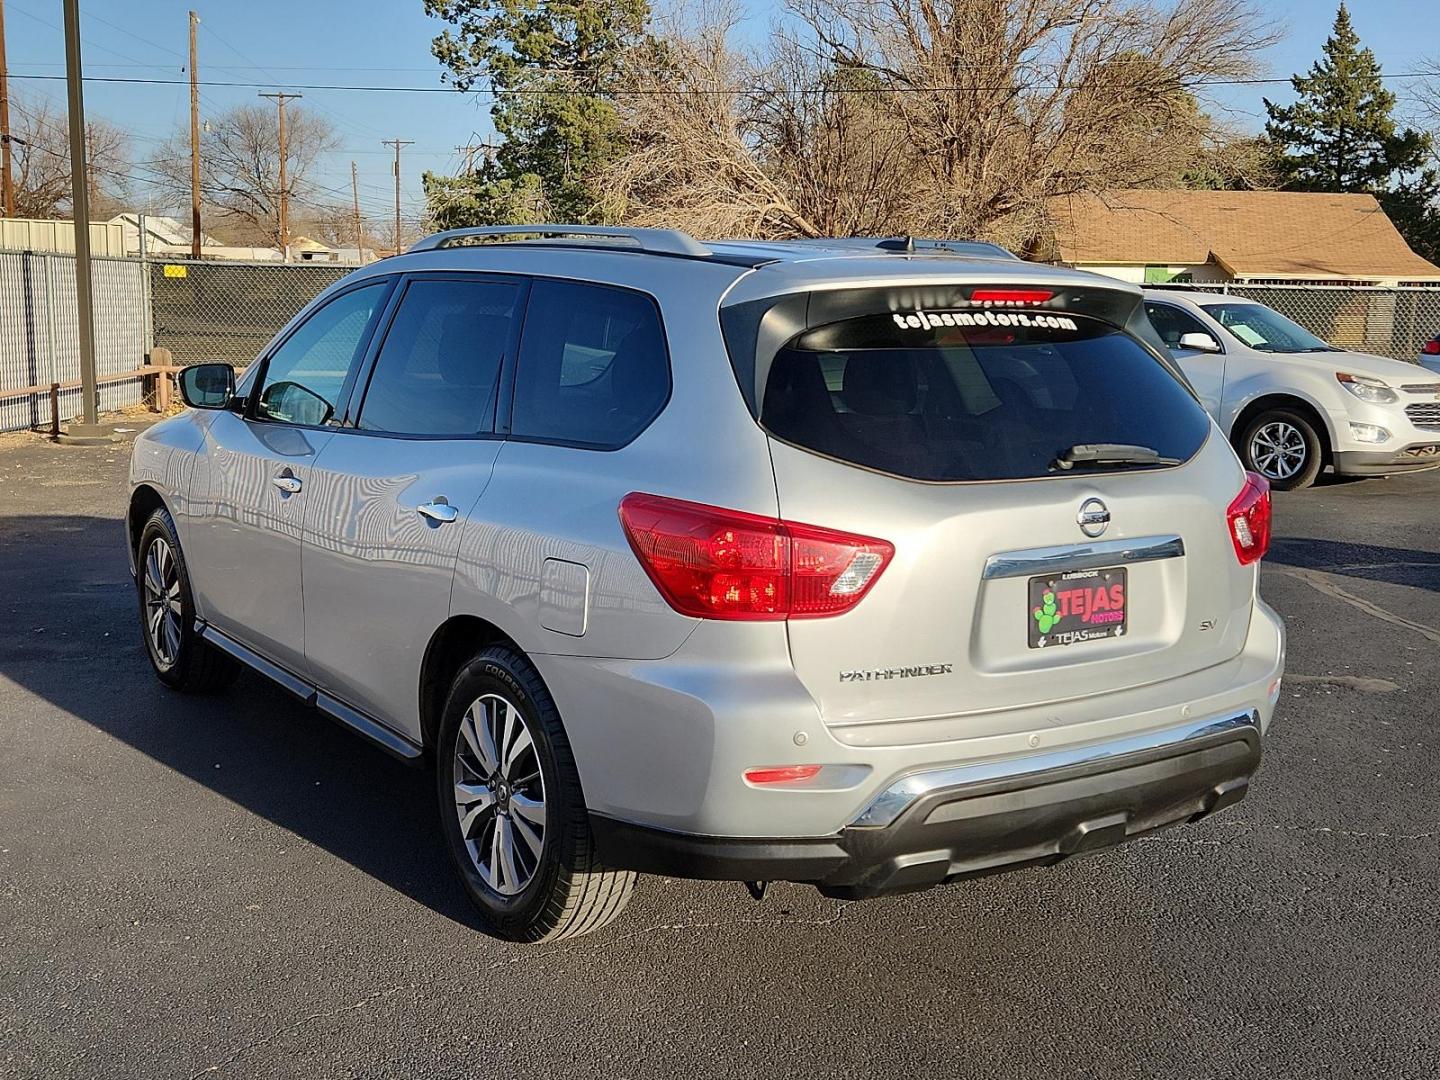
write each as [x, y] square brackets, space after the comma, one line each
[1086, 455]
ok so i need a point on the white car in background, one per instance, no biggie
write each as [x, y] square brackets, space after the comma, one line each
[1292, 404]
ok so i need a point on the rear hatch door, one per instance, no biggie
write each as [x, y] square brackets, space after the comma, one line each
[1055, 496]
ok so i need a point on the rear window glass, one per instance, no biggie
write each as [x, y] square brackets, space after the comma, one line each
[930, 401]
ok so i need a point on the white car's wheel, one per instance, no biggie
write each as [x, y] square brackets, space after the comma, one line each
[1283, 446]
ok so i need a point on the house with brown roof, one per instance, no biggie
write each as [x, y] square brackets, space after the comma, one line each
[1250, 237]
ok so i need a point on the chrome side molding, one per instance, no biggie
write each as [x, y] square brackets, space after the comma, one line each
[276, 674]
[1088, 556]
[886, 807]
[391, 742]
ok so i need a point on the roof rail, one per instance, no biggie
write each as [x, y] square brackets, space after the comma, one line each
[657, 241]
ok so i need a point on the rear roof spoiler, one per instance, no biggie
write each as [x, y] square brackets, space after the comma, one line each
[755, 330]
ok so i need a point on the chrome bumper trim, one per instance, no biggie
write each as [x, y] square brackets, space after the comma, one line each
[886, 807]
[1089, 556]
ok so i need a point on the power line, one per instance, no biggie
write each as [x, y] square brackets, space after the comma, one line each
[88, 44]
[359, 128]
[143, 41]
[1183, 84]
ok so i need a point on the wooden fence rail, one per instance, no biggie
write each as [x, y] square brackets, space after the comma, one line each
[158, 384]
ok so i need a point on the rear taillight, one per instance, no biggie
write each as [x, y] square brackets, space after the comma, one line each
[1431, 347]
[724, 564]
[1248, 519]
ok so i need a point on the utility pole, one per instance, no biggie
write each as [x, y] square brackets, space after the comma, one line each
[7, 199]
[397, 144]
[80, 200]
[280, 98]
[194, 142]
[359, 229]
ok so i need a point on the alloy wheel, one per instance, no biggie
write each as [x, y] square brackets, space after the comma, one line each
[499, 794]
[1278, 450]
[162, 602]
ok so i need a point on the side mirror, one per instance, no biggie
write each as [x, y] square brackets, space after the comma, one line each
[207, 386]
[1199, 342]
[292, 403]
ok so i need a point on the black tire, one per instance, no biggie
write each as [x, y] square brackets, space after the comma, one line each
[1270, 466]
[568, 891]
[182, 659]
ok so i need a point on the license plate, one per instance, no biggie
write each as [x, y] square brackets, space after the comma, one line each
[1083, 605]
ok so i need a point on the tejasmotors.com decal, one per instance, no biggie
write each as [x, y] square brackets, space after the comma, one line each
[928, 320]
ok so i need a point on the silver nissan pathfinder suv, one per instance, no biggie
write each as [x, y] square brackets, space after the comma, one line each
[866, 565]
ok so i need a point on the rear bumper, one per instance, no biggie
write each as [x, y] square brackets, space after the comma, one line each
[942, 825]
[1413, 458]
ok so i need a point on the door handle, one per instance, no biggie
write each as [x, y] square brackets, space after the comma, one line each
[288, 484]
[439, 511]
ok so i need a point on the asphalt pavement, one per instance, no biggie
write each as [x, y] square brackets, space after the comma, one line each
[234, 886]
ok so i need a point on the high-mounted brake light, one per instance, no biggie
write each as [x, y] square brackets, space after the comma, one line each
[1248, 519]
[724, 564]
[1011, 296]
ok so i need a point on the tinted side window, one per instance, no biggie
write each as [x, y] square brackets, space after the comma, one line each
[440, 363]
[593, 366]
[306, 373]
[1172, 323]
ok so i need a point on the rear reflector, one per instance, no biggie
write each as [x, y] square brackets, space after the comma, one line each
[780, 774]
[1011, 296]
[1248, 518]
[725, 564]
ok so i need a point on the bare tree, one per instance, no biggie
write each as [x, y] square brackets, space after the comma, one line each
[938, 117]
[40, 147]
[730, 143]
[1425, 103]
[240, 170]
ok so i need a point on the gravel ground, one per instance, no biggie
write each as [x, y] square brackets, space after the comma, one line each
[234, 886]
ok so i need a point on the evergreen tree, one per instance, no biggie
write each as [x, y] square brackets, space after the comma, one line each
[1341, 135]
[549, 63]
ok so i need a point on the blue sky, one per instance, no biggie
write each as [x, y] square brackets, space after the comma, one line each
[387, 42]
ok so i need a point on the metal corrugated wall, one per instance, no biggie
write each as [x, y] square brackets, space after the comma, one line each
[39, 342]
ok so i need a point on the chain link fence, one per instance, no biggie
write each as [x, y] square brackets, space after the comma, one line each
[198, 310]
[211, 310]
[228, 310]
[1393, 322]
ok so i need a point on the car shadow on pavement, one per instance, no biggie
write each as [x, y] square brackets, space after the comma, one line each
[1372, 562]
[69, 633]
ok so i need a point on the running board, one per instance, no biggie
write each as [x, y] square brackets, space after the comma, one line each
[377, 733]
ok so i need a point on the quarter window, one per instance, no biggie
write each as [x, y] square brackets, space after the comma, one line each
[593, 368]
[306, 374]
[439, 366]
